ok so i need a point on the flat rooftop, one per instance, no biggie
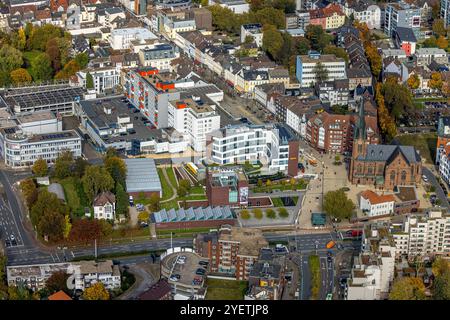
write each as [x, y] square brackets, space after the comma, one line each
[322, 58]
[36, 116]
[185, 270]
[142, 175]
[94, 109]
[28, 97]
[250, 240]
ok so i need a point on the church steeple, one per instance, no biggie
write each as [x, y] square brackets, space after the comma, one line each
[360, 129]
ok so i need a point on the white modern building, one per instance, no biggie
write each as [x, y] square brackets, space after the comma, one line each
[268, 144]
[444, 163]
[373, 270]
[104, 78]
[82, 274]
[237, 6]
[402, 14]
[252, 30]
[159, 56]
[120, 39]
[445, 12]
[195, 118]
[376, 205]
[423, 234]
[307, 65]
[21, 149]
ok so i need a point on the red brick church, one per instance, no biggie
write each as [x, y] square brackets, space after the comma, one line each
[383, 166]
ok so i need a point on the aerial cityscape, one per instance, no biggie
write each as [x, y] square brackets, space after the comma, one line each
[224, 150]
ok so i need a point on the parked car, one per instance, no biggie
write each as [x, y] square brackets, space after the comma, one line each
[200, 272]
[203, 263]
[424, 177]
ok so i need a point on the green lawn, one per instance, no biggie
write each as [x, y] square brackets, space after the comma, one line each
[225, 289]
[166, 189]
[425, 143]
[172, 178]
[75, 196]
[314, 266]
[282, 187]
[197, 190]
[278, 203]
[173, 204]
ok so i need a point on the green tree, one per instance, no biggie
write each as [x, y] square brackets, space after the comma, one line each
[413, 81]
[408, 288]
[117, 169]
[82, 59]
[67, 226]
[121, 200]
[95, 180]
[302, 46]
[40, 36]
[40, 168]
[89, 81]
[337, 205]
[64, 46]
[41, 67]
[52, 225]
[430, 42]
[283, 213]
[105, 227]
[272, 40]
[259, 183]
[270, 16]
[143, 216]
[154, 203]
[318, 38]
[79, 166]
[270, 213]
[338, 52]
[184, 183]
[257, 213]
[397, 97]
[63, 165]
[321, 73]
[47, 208]
[10, 59]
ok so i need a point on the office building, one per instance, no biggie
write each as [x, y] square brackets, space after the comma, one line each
[306, 70]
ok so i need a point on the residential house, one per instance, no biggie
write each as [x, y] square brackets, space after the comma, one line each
[405, 40]
[105, 206]
[376, 205]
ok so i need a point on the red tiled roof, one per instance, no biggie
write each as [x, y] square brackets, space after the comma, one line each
[375, 198]
[60, 295]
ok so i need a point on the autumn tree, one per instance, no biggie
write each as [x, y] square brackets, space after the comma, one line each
[143, 216]
[20, 76]
[385, 121]
[445, 89]
[96, 292]
[63, 165]
[431, 42]
[29, 191]
[48, 202]
[338, 52]
[436, 81]
[154, 203]
[441, 283]
[442, 42]
[244, 214]
[283, 213]
[40, 36]
[70, 69]
[337, 205]
[270, 213]
[95, 180]
[439, 28]
[41, 67]
[51, 225]
[40, 168]
[318, 38]
[257, 213]
[413, 81]
[397, 97]
[85, 231]
[57, 282]
[105, 227]
[408, 288]
[52, 50]
[10, 59]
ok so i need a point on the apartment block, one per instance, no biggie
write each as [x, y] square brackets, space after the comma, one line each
[402, 14]
[306, 71]
[275, 146]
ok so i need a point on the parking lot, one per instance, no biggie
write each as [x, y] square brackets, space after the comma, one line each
[184, 267]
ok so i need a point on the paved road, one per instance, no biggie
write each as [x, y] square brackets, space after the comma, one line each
[439, 192]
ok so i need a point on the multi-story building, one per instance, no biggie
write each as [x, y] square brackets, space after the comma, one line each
[237, 250]
[444, 163]
[307, 65]
[273, 145]
[21, 149]
[82, 274]
[195, 118]
[443, 133]
[120, 39]
[426, 55]
[254, 31]
[402, 14]
[59, 98]
[406, 40]
[227, 187]
[175, 24]
[237, 6]
[423, 234]
[336, 133]
[159, 56]
[373, 270]
[333, 92]
[364, 11]
[247, 80]
[376, 205]
[330, 17]
[105, 78]
[173, 5]
[445, 12]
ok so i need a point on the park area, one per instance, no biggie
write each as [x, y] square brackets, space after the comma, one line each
[219, 289]
[425, 144]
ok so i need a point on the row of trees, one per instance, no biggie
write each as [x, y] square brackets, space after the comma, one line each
[47, 56]
[370, 49]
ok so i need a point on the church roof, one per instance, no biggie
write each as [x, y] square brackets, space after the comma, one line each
[386, 153]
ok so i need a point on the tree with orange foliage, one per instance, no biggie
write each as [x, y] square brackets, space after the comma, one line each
[436, 81]
[442, 42]
[96, 292]
[413, 81]
[20, 75]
